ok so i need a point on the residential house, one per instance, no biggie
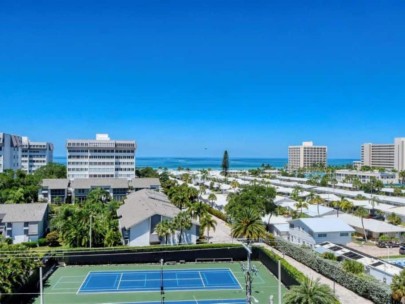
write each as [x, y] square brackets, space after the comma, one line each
[142, 211]
[23, 222]
[312, 231]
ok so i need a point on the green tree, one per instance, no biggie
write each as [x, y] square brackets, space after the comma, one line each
[300, 204]
[374, 201]
[362, 213]
[394, 219]
[315, 199]
[146, 172]
[212, 198]
[51, 170]
[257, 197]
[345, 205]
[182, 222]
[398, 287]
[310, 292]
[164, 229]
[225, 163]
[352, 266]
[248, 224]
[52, 238]
[207, 223]
[402, 176]
[197, 210]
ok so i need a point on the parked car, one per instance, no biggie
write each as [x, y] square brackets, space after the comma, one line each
[388, 244]
[402, 250]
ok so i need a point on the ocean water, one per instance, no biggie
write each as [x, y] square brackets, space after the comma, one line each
[212, 163]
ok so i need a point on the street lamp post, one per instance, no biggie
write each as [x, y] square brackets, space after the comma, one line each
[90, 232]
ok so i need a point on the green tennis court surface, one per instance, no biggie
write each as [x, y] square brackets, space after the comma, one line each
[192, 283]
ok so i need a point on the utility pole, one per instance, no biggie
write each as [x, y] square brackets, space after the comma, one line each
[248, 270]
[162, 291]
[41, 291]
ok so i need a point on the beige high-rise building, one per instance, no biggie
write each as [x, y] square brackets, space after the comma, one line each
[388, 156]
[306, 155]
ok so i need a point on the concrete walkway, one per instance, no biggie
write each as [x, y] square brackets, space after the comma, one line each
[344, 295]
[222, 233]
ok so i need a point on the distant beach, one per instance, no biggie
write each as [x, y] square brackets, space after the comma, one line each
[196, 163]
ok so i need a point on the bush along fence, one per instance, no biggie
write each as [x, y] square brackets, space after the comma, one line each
[360, 284]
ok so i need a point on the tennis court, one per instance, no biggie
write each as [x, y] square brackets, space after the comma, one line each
[221, 283]
[215, 301]
[154, 280]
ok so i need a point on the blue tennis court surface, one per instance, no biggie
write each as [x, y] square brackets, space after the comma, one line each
[151, 280]
[230, 301]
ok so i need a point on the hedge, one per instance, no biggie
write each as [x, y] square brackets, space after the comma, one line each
[292, 271]
[363, 286]
[146, 248]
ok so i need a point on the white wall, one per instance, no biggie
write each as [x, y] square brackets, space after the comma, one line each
[139, 234]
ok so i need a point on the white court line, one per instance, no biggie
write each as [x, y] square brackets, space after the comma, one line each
[85, 279]
[202, 280]
[119, 282]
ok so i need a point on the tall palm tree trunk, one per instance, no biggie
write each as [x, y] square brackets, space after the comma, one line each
[364, 229]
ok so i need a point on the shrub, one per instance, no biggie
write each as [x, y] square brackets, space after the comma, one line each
[53, 238]
[30, 244]
[363, 286]
[42, 242]
[352, 266]
[329, 256]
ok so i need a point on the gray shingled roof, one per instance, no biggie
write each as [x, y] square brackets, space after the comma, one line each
[87, 183]
[143, 204]
[56, 183]
[145, 182]
[33, 212]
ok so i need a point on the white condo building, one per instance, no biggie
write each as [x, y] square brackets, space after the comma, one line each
[35, 154]
[18, 152]
[10, 152]
[100, 158]
[388, 156]
[306, 155]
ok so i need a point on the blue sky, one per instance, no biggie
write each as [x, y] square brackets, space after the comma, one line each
[180, 76]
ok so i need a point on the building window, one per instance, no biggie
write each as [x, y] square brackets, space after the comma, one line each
[344, 234]
[321, 234]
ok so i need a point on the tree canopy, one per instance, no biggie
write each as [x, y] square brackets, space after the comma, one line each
[256, 197]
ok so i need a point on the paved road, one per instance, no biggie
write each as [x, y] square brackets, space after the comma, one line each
[222, 233]
[344, 295]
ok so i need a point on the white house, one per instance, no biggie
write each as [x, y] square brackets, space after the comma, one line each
[142, 211]
[23, 222]
[312, 231]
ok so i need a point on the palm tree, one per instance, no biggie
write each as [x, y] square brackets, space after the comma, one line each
[402, 176]
[201, 191]
[398, 287]
[362, 213]
[163, 229]
[300, 205]
[182, 222]
[207, 222]
[315, 199]
[234, 184]
[248, 224]
[346, 205]
[310, 292]
[374, 200]
[211, 198]
[295, 194]
[197, 210]
[356, 183]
